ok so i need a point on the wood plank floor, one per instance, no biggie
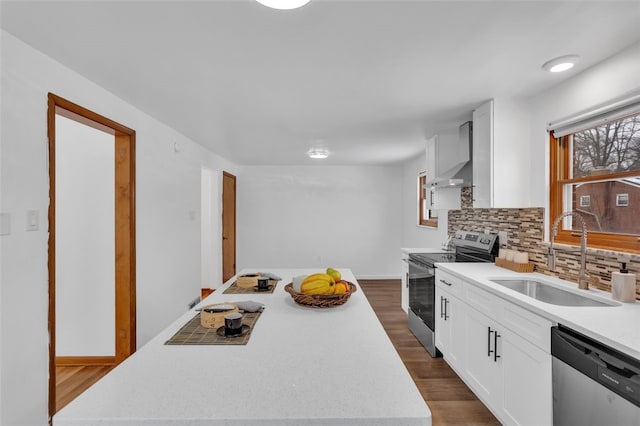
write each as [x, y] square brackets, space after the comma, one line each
[449, 399]
[72, 380]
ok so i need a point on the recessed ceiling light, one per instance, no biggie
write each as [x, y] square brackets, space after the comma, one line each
[318, 152]
[562, 63]
[283, 4]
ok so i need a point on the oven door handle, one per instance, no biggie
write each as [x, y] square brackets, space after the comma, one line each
[419, 270]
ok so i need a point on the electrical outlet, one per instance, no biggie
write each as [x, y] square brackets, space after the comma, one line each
[502, 238]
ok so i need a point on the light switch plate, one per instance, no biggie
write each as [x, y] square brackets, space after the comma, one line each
[33, 220]
[5, 223]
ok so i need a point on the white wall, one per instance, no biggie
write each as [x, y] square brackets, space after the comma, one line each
[320, 216]
[168, 222]
[85, 244]
[609, 79]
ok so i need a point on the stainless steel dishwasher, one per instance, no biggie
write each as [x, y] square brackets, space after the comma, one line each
[593, 384]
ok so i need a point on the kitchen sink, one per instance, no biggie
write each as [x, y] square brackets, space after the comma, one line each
[548, 293]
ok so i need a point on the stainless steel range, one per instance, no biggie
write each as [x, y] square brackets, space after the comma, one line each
[469, 247]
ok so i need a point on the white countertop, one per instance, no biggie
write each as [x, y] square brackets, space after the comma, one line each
[615, 326]
[302, 365]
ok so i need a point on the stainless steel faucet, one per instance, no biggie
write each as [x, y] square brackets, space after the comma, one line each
[583, 279]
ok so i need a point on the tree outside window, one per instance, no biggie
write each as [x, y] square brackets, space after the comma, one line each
[611, 148]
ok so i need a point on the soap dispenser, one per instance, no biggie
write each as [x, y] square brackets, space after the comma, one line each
[623, 285]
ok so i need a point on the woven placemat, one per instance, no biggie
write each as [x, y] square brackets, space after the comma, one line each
[192, 333]
[234, 289]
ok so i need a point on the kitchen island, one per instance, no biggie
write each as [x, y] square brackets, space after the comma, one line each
[301, 366]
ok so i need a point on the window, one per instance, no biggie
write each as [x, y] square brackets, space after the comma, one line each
[593, 171]
[426, 216]
[622, 200]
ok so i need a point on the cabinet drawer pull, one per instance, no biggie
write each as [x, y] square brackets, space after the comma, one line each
[441, 307]
[446, 303]
[495, 346]
[446, 282]
[489, 351]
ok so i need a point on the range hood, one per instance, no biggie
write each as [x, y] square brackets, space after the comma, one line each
[461, 174]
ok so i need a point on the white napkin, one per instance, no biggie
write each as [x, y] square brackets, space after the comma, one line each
[249, 306]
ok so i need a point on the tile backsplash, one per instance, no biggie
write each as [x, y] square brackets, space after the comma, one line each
[525, 232]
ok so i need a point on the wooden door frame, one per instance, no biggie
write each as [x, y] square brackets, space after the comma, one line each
[233, 178]
[125, 230]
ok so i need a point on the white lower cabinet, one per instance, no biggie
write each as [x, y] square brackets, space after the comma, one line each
[506, 367]
[526, 390]
[483, 367]
[450, 322]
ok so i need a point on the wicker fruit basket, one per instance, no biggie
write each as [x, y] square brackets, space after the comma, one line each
[320, 300]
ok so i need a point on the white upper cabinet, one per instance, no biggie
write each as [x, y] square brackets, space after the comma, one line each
[500, 154]
[441, 154]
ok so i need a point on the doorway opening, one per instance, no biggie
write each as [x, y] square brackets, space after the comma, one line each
[91, 241]
[228, 226]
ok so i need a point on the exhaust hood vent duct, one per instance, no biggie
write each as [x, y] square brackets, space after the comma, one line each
[461, 174]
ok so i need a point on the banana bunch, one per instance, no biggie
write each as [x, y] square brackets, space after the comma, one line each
[319, 283]
[327, 283]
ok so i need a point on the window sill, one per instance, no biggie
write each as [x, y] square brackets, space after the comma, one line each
[428, 226]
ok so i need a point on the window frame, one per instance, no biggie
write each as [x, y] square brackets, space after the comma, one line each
[621, 196]
[430, 221]
[586, 199]
[559, 158]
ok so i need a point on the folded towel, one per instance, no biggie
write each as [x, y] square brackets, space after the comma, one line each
[249, 306]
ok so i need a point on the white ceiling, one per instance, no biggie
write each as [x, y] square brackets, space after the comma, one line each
[369, 79]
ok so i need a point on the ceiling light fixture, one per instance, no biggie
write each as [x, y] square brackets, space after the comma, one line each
[562, 63]
[283, 4]
[318, 152]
